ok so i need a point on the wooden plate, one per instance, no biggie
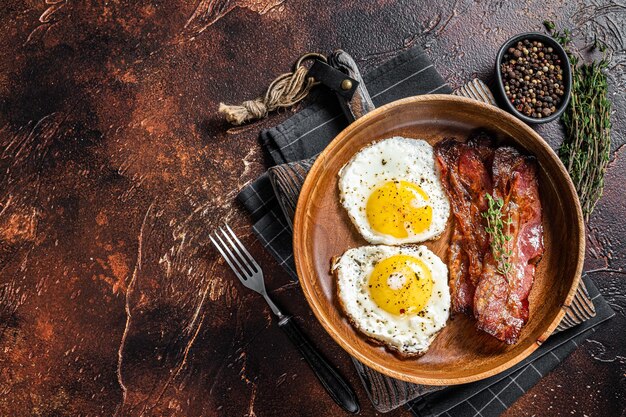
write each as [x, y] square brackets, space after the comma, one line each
[460, 353]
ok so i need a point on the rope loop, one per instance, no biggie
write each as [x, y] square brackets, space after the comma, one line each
[285, 91]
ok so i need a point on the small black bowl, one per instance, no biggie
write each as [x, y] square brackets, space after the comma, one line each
[565, 65]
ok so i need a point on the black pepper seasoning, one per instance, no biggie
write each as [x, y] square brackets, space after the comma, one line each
[531, 73]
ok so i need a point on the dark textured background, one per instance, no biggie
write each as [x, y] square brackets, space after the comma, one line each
[114, 167]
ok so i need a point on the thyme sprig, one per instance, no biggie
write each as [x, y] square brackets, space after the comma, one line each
[585, 152]
[499, 229]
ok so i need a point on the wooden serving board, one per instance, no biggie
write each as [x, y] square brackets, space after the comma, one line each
[460, 354]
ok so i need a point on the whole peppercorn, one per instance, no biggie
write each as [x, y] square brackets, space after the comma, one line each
[532, 75]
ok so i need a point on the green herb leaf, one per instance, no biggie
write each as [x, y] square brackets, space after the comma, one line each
[586, 148]
[549, 25]
[499, 230]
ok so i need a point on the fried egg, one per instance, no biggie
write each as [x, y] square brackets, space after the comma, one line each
[393, 193]
[398, 296]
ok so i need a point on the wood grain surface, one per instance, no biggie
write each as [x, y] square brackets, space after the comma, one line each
[323, 230]
[114, 167]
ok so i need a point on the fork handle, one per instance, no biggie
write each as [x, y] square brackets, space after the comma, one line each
[335, 385]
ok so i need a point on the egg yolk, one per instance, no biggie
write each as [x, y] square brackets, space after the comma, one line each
[401, 285]
[397, 206]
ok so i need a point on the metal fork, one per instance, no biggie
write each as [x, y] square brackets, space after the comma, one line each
[250, 274]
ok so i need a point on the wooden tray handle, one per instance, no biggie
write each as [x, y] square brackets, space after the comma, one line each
[361, 103]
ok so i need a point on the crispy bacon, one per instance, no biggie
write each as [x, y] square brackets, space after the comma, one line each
[501, 303]
[466, 177]
[461, 288]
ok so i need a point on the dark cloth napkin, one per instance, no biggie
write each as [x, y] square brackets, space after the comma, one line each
[305, 135]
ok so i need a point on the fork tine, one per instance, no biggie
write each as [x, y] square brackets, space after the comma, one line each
[242, 247]
[247, 261]
[221, 247]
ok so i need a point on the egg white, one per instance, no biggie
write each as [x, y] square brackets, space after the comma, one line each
[408, 335]
[393, 159]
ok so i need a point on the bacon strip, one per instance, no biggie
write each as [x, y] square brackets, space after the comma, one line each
[461, 288]
[501, 303]
[465, 173]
